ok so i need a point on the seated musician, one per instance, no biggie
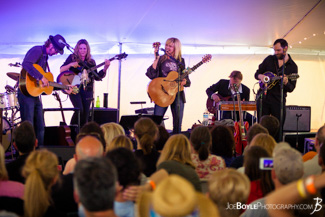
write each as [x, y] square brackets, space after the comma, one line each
[224, 91]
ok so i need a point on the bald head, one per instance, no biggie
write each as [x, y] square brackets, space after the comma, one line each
[89, 146]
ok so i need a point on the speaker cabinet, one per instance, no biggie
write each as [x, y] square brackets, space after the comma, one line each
[293, 138]
[302, 113]
[105, 115]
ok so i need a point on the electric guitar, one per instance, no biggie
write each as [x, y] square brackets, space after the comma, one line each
[212, 105]
[274, 79]
[71, 78]
[241, 128]
[29, 86]
[163, 90]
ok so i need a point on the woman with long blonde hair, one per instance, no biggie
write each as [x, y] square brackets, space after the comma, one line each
[111, 130]
[161, 67]
[78, 61]
[41, 173]
[175, 158]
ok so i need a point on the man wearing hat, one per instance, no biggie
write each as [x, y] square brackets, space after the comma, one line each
[31, 108]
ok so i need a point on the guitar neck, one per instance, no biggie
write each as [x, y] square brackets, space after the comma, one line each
[99, 65]
[54, 84]
[186, 72]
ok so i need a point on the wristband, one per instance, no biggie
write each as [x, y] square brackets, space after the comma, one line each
[301, 189]
[152, 184]
[310, 185]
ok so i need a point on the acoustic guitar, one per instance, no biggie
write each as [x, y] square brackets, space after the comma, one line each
[29, 86]
[163, 90]
[273, 79]
[64, 129]
[71, 78]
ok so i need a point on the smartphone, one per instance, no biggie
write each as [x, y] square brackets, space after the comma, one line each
[266, 163]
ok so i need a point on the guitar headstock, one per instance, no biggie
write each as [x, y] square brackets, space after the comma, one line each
[14, 65]
[121, 56]
[206, 58]
[156, 45]
[293, 76]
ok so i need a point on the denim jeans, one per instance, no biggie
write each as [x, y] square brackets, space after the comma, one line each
[31, 109]
[82, 101]
[162, 110]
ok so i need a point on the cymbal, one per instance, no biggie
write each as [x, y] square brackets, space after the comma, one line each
[13, 75]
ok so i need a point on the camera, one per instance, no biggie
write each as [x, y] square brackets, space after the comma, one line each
[266, 163]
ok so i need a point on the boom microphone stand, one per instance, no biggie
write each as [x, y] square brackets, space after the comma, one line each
[282, 102]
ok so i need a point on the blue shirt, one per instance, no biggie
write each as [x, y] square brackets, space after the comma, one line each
[38, 55]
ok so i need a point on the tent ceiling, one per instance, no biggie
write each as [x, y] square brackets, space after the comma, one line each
[250, 23]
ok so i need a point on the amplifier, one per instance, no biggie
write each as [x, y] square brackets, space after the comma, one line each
[297, 116]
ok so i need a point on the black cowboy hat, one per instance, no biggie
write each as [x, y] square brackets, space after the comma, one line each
[58, 42]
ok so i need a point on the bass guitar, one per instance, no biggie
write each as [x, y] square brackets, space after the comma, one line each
[241, 128]
[163, 90]
[64, 129]
[271, 80]
[71, 78]
[29, 86]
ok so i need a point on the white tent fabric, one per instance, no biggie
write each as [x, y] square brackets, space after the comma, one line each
[239, 34]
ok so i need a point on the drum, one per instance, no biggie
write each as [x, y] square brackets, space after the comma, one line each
[6, 134]
[8, 100]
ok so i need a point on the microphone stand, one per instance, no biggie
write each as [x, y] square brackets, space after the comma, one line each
[179, 69]
[281, 103]
[298, 116]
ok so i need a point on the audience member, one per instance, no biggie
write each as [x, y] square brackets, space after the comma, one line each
[272, 124]
[145, 131]
[175, 196]
[111, 130]
[311, 167]
[162, 138]
[24, 142]
[228, 187]
[11, 192]
[287, 167]
[264, 140]
[41, 172]
[128, 170]
[261, 182]
[223, 143]
[252, 132]
[204, 162]
[62, 193]
[95, 181]
[121, 141]
[91, 129]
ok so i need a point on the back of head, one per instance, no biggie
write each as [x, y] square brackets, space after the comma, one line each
[320, 135]
[264, 140]
[24, 137]
[223, 141]
[110, 131]
[252, 170]
[254, 130]
[93, 129]
[271, 123]
[146, 131]
[162, 137]
[3, 170]
[287, 163]
[177, 148]
[95, 183]
[89, 146]
[201, 141]
[120, 141]
[40, 171]
[228, 187]
[175, 196]
[127, 165]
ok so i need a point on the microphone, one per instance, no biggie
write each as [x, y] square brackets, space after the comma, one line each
[162, 49]
[64, 43]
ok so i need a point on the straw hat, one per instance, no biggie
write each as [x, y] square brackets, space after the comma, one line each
[175, 196]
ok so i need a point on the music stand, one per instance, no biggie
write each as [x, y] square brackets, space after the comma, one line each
[127, 121]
